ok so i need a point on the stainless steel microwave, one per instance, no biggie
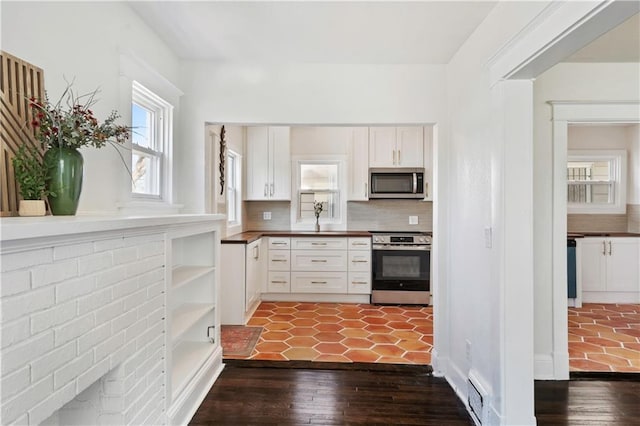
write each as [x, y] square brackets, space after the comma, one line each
[396, 183]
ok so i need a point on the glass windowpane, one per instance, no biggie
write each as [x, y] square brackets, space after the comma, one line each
[141, 121]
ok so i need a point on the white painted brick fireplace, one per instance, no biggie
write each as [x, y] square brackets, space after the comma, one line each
[84, 320]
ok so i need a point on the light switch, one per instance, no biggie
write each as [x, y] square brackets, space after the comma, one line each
[413, 220]
[266, 215]
[488, 237]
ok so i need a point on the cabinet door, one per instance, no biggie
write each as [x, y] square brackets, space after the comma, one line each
[255, 272]
[410, 146]
[257, 164]
[318, 260]
[319, 282]
[428, 163]
[359, 165]
[279, 163]
[359, 282]
[593, 264]
[622, 264]
[382, 147]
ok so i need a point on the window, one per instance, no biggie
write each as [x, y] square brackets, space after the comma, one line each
[596, 181]
[318, 178]
[151, 119]
[233, 188]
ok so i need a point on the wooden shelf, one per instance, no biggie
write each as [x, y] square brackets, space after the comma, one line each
[185, 316]
[187, 358]
[183, 275]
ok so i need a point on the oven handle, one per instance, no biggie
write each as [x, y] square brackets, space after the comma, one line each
[401, 248]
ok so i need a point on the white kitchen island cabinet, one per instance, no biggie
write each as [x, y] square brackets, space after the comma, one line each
[608, 269]
[268, 163]
[396, 146]
[241, 280]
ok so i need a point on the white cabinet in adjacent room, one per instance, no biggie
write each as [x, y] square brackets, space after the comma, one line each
[396, 146]
[268, 163]
[609, 269]
[359, 165]
[279, 265]
[243, 271]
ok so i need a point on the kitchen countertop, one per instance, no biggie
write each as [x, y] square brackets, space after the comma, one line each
[250, 236]
[602, 234]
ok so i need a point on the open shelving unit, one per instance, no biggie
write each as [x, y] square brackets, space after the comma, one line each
[195, 356]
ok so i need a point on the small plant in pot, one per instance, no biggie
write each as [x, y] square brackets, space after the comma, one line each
[30, 173]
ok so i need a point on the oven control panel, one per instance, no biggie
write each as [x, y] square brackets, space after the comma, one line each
[401, 240]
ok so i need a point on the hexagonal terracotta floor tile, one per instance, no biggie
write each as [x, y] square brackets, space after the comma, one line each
[381, 329]
[397, 325]
[301, 354]
[281, 326]
[413, 346]
[351, 323]
[331, 358]
[357, 355]
[388, 350]
[272, 347]
[303, 331]
[355, 332]
[353, 342]
[278, 336]
[304, 322]
[301, 342]
[328, 327]
[331, 348]
[328, 336]
[384, 338]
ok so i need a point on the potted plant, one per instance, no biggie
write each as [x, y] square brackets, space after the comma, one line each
[30, 174]
[63, 127]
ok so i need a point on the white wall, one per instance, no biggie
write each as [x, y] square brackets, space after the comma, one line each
[473, 201]
[298, 94]
[563, 82]
[83, 40]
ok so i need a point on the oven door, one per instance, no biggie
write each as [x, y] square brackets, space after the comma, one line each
[401, 269]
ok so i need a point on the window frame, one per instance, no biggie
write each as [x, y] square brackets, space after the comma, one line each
[618, 181]
[234, 176]
[337, 223]
[161, 141]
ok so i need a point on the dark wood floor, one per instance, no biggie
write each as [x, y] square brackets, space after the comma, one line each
[265, 393]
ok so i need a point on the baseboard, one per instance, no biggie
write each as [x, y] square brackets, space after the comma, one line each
[543, 367]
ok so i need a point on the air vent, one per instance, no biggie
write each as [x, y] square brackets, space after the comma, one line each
[476, 402]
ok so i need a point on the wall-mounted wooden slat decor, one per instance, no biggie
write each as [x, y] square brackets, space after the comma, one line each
[19, 80]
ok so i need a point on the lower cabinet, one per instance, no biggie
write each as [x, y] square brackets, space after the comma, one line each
[329, 266]
[241, 281]
[608, 269]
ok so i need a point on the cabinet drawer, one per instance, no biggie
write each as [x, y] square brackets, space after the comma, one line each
[318, 282]
[279, 282]
[359, 243]
[359, 261]
[319, 243]
[277, 243]
[318, 260]
[279, 260]
[359, 282]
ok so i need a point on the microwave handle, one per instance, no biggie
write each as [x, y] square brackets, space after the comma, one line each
[415, 183]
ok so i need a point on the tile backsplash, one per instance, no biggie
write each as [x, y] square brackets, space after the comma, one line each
[389, 215]
[629, 222]
[374, 215]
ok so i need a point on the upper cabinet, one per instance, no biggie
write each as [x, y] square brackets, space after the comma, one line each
[396, 146]
[268, 163]
[359, 165]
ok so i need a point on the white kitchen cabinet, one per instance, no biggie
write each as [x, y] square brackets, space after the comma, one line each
[396, 146]
[242, 276]
[193, 317]
[319, 260]
[268, 163]
[359, 165]
[428, 163]
[609, 269]
[279, 265]
[318, 282]
[359, 266]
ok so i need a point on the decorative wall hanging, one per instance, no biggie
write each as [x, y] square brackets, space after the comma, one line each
[223, 156]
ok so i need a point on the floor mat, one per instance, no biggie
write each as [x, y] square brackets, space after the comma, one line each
[238, 340]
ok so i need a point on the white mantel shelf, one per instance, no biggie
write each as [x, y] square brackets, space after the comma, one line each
[13, 229]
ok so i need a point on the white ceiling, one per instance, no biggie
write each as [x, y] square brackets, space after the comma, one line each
[349, 32]
[390, 32]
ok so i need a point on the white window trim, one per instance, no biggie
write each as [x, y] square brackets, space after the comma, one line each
[337, 224]
[133, 68]
[618, 159]
[236, 226]
[163, 131]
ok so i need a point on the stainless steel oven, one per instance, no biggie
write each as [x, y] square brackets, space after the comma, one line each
[401, 268]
